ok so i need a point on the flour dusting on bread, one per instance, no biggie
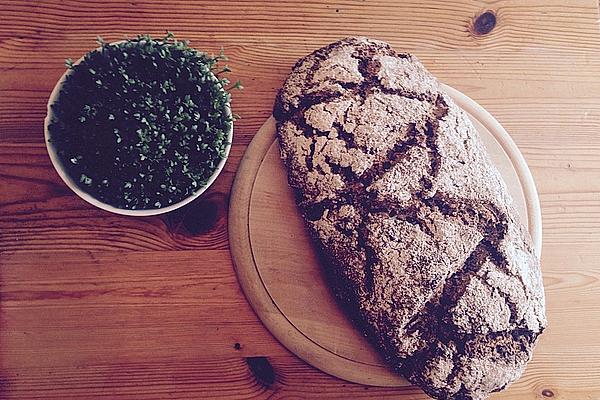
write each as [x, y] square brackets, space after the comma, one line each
[425, 249]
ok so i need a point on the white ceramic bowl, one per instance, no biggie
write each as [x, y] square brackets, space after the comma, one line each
[60, 169]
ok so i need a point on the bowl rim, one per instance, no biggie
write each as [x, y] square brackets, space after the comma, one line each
[61, 170]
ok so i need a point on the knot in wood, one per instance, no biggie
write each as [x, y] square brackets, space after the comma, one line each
[262, 370]
[484, 23]
[547, 393]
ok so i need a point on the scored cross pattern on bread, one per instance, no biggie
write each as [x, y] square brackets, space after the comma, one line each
[425, 249]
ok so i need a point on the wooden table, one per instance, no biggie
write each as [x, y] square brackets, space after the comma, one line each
[98, 305]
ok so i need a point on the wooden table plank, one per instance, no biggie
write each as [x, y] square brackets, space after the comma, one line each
[94, 305]
[118, 307]
[542, 80]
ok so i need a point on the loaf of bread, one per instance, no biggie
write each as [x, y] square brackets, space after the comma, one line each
[424, 247]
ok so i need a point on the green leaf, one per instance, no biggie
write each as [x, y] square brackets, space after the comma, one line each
[238, 85]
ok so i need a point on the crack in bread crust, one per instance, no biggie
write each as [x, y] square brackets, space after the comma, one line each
[375, 149]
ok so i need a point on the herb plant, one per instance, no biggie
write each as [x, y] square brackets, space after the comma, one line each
[143, 123]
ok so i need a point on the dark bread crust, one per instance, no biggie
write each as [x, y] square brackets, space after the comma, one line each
[424, 247]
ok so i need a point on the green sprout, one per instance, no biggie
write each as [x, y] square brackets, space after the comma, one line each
[143, 123]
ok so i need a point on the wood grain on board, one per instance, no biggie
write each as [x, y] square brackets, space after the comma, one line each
[96, 305]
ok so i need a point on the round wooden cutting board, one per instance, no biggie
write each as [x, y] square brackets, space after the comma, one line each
[279, 269]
